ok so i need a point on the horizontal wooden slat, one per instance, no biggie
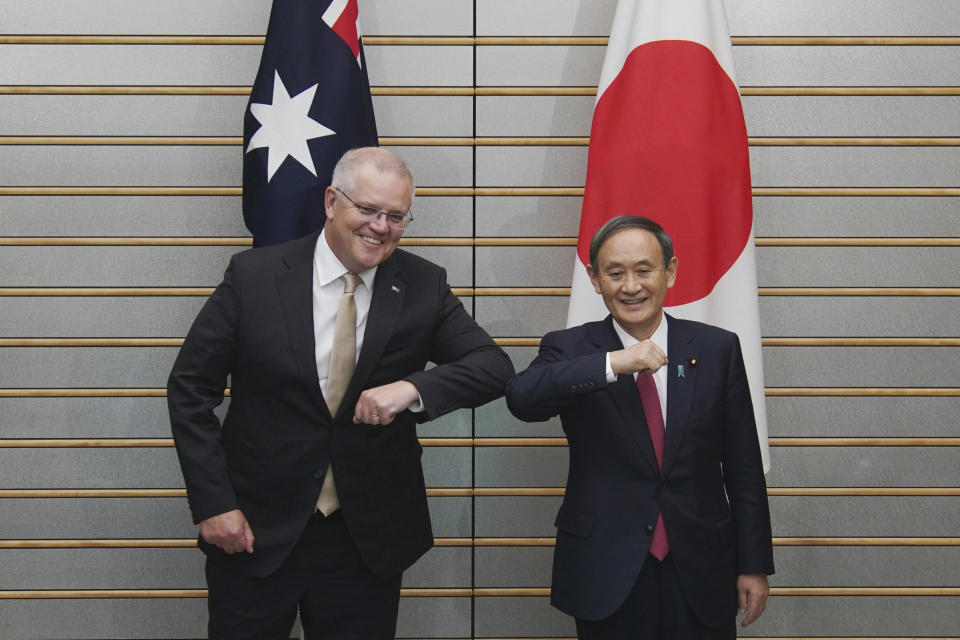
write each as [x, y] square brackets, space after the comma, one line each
[83, 594]
[185, 543]
[375, 40]
[514, 592]
[212, 90]
[146, 443]
[463, 141]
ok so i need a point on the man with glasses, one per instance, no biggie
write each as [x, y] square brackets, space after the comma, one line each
[664, 530]
[311, 495]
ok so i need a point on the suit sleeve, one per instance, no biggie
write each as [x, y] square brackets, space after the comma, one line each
[194, 389]
[471, 369]
[554, 380]
[743, 472]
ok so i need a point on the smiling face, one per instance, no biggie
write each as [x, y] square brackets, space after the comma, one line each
[632, 279]
[360, 242]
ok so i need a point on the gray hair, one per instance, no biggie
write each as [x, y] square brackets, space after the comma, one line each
[622, 223]
[383, 160]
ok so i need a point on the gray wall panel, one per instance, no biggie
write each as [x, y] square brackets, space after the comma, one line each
[531, 166]
[852, 115]
[857, 266]
[424, 115]
[105, 317]
[524, 266]
[863, 417]
[114, 266]
[528, 215]
[458, 261]
[105, 115]
[866, 316]
[84, 418]
[852, 216]
[516, 516]
[439, 166]
[447, 617]
[871, 617]
[521, 466]
[103, 569]
[868, 516]
[861, 366]
[521, 617]
[530, 316]
[544, 17]
[122, 216]
[90, 518]
[86, 366]
[847, 65]
[101, 619]
[863, 467]
[130, 64]
[538, 65]
[132, 166]
[534, 115]
[420, 66]
[513, 566]
[855, 166]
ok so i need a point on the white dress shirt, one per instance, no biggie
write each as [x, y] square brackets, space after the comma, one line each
[659, 338]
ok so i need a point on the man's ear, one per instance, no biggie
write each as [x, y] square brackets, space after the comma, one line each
[672, 271]
[329, 199]
[594, 278]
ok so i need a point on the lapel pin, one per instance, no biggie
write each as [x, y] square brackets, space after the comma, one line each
[395, 288]
[693, 362]
[680, 371]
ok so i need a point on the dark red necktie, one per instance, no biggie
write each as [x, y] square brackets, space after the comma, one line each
[659, 547]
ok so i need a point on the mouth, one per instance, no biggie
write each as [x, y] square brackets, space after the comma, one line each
[632, 302]
[371, 240]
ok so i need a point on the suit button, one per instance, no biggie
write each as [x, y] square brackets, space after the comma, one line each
[649, 529]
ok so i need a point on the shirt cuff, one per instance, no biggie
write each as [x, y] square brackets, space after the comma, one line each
[417, 407]
[611, 376]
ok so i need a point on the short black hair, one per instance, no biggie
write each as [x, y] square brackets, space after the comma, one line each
[622, 223]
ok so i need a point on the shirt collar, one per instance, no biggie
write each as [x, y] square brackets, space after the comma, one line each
[659, 336]
[329, 267]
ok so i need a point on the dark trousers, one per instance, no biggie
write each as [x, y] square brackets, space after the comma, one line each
[323, 577]
[654, 610]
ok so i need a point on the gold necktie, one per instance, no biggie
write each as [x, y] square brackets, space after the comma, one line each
[343, 359]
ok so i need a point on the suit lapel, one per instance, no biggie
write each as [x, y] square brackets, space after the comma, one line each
[681, 350]
[626, 398]
[296, 297]
[389, 290]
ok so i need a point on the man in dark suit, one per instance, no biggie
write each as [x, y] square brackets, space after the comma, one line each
[661, 534]
[300, 504]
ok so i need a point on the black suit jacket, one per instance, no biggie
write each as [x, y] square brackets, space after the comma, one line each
[711, 491]
[278, 437]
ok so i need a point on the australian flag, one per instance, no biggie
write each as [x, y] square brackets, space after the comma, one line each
[310, 103]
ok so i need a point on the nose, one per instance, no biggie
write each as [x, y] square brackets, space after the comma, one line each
[632, 282]
[379, 224]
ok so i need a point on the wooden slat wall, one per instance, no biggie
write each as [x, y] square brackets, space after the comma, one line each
[108, 249]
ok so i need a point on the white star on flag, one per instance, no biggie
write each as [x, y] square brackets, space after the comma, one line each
[285, 127]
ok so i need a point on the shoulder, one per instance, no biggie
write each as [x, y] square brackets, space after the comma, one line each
[702, 330]
[585, 335]
[412, 263]
[285, 253]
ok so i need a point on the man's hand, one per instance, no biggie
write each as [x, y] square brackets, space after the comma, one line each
[381, 405]
[752, 591]
[644, 357]
[229, 531]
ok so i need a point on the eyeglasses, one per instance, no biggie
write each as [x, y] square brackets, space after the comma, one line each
[395, 219]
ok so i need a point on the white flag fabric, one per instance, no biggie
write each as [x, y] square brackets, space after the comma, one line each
[668, 142]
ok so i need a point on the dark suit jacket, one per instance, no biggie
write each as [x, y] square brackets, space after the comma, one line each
[270, 457]
[711, 491]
